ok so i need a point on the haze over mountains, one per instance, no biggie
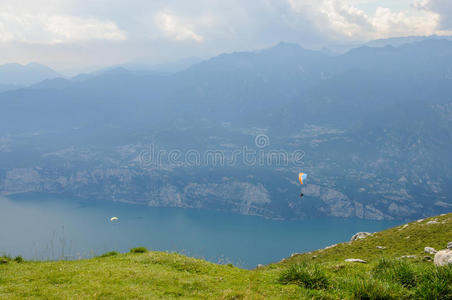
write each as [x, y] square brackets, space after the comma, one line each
[14, 76]
[23, 75]
[374, 125]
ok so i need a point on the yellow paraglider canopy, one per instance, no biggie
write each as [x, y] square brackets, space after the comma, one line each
[302, 177]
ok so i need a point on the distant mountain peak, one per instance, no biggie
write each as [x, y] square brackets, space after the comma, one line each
[25, 75]
[399, 41]
[286, 46]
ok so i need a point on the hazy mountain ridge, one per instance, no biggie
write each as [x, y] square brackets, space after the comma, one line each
[24, 75]
[374, 124]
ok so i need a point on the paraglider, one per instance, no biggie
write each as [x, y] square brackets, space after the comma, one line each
[302, 177]
[114, 219]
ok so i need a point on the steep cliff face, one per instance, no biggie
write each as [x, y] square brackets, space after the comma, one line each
[345, 185]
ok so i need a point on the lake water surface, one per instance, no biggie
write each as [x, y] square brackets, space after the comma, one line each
[42, 227]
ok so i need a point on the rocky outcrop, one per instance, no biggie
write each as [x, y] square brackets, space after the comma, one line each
[239, 197]
[359, 236]
[357, 260]
[120, 174]
[443, 258]
[430, 250]
[337, 204]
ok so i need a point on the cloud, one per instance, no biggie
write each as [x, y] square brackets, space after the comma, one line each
[443, 8]
[176, 28]
[339, 19]
[28, 23]
[107, 31]
[64, 28]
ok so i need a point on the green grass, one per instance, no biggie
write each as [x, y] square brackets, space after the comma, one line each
[398, 241]
[435, 283]
[321, 274]
[397, 271]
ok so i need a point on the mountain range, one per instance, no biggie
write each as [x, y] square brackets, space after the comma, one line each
[25, 75]
[373, 124]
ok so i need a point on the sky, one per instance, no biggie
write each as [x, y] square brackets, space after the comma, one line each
[81, 34]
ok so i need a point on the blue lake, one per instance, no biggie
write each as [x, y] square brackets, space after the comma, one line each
[45, 228]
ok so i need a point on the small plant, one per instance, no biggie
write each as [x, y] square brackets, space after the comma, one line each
[108, 254]
[138, 250]
[310, 276]
[19, 259]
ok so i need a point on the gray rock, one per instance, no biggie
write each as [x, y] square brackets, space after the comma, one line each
[260, 266]
[331, 246]
[403, 227]
[381, 247]
[408, 256]
[430, 250]
[3, 261]
[356, 260]
[443, 258]
[432, 222]
[449, 245]
[360, 235]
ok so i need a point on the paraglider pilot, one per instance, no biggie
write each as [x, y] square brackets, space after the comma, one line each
[302, 178]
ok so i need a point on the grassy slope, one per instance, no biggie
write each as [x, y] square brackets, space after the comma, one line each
[399, 241]
[152, 275]
[165, 275]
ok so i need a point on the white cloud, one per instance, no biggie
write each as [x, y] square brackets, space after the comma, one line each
[176, 27]
[443, 8]
[48, 23]
[340, 19]
[66, 28]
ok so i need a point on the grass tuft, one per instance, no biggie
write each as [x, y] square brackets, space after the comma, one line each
[371, 289]
[396, 271]
[138, 250]
[18, 259]
[435, 283]
[310, 276]
[108, 254]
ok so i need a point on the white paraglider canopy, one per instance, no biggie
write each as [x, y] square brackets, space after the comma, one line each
[113, 219]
